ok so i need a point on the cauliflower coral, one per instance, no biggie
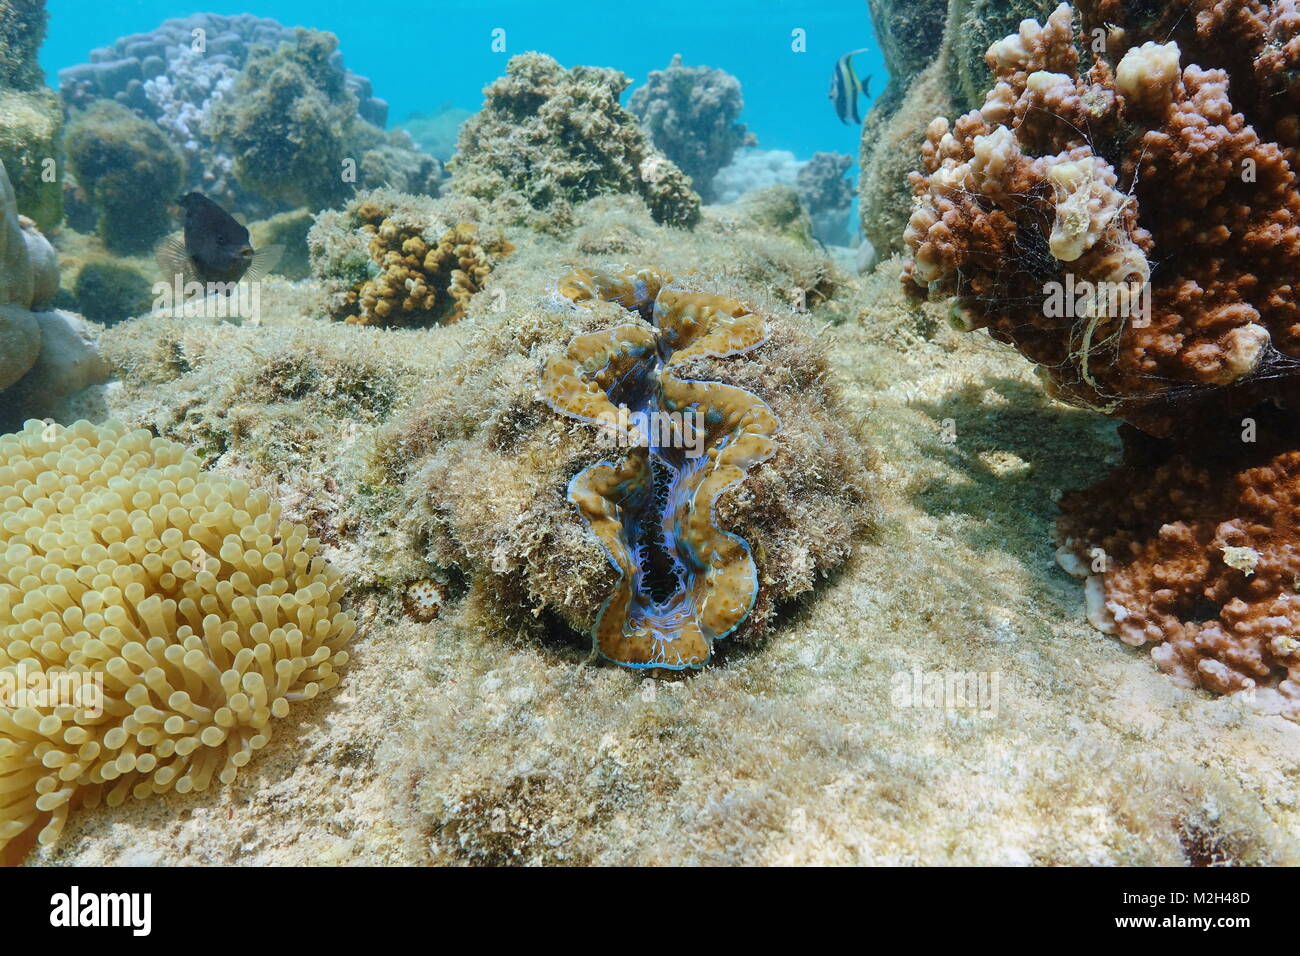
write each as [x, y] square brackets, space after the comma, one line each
[154, 620]
[1066, 180]
[1156, 189]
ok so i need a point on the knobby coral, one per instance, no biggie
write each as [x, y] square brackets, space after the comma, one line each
[683, 582]
[548, 137]
[1196, 552]
[1047, 213]
[154, 621]
[1137, 235]
[422, 274]
[1256, 42]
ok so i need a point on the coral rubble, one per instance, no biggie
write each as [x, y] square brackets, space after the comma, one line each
[390, 260]
[181, 616]
[548, 137]
[692, 114]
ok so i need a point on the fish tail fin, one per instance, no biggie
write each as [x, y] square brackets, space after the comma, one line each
[264, 260]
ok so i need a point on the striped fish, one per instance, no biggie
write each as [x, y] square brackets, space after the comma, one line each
[845, 88]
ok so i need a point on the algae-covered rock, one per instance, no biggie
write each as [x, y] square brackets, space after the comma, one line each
[973, 26]
[46, 357]
[548, 137]
[891, 145]
[778, 210]
[29, 270]
[68, 363]
[910, 33]
[22, 28]
[30, 126]
[108, 292]
[288, 230]
[288, 122]
[130, 172]
[20, 343]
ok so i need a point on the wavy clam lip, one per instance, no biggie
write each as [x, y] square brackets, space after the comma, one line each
[683, 581]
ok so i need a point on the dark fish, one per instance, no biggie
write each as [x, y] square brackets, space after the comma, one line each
[845, 88]
[214, 247]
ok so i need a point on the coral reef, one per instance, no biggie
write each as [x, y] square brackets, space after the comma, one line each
[827, 195]
[548, 137]
[1062, 182]
[131, 174]
[692, 114]
[22, 28]
[935, 54]
[166, 77]
[793, 750]
[48, 356]
[391, 260]
[185, 613]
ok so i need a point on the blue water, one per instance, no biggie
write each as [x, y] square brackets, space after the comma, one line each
[434, 51]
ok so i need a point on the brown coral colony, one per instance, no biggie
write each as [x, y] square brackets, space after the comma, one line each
[412, 271]
[1065, 178]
